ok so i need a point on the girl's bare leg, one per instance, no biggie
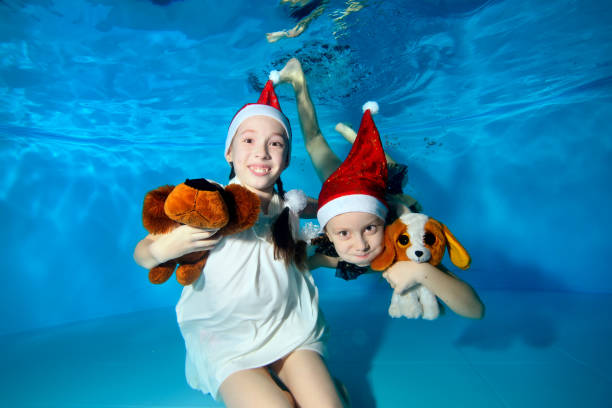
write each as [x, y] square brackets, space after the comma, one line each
[321, 155]
[350, 135]
[305, 374]
[254, 388]
[323, 158]
[352, 6]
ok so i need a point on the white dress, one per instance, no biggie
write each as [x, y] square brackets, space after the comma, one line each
[247, 309]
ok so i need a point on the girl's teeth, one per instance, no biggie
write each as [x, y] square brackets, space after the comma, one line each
[260, 170]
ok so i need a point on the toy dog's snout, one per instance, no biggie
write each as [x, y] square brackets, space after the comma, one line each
[414, 235]
[418, 256]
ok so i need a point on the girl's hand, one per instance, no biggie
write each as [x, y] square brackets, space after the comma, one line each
[403, 275]
[310, 211]
[180, 241]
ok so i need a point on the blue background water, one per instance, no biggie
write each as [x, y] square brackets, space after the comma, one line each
[501, 109]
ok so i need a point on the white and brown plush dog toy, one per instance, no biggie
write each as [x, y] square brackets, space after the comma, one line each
[418, 238]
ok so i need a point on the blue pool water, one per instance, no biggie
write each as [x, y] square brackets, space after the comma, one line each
[501, 109]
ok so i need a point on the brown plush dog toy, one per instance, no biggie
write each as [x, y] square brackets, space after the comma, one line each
[198, 203]
[418, 238]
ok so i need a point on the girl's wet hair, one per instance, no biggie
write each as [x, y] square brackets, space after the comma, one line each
[285, 246]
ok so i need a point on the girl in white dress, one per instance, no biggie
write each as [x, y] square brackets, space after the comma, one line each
[251, 322]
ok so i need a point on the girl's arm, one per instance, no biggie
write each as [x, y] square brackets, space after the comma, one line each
[455, 293]
[310, 211]
[153, 250]
[403, 203]
[322, 261]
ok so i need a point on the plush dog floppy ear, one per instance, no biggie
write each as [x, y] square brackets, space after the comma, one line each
[243, 209]
[387, 257]
[458, 255]
[154, 217]
[435, 240]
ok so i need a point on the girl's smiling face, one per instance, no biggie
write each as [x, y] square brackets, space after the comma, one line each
[258, 152]
[357, 236]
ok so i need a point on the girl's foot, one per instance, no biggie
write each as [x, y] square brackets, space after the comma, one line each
[346, 131]
[275, 36]
[292, 73]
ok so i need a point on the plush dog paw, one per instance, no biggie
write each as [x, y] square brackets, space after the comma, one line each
[394, 309]
[429, 302]
[431, 313]
[161, 273]
[409, 305]
[190, 267]
[198, 203]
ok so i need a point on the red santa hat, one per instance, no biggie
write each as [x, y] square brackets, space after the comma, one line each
[359, 184]
[267, 105]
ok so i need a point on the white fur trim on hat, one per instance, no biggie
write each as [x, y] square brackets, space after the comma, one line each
[257, 109]
[351, 203]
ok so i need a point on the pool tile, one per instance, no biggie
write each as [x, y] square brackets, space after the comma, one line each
[556, 384]
[431, 385]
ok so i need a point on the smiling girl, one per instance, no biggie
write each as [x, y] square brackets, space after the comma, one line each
[251, 322]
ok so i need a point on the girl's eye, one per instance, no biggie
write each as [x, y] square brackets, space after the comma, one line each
[429, 238]
[343, 234]
[247, 140]
[278, 144]
[371, 228]
[403, 240]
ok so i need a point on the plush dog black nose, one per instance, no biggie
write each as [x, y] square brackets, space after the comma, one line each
[418, 253]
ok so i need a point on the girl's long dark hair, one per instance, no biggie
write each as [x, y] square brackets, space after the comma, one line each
[285, 246]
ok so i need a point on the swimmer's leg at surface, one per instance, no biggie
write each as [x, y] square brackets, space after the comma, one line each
[299, 28]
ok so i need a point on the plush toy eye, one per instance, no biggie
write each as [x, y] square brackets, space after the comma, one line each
[403, 240]
[429, 238]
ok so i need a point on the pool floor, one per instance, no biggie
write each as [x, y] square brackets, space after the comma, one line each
[533, 349]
